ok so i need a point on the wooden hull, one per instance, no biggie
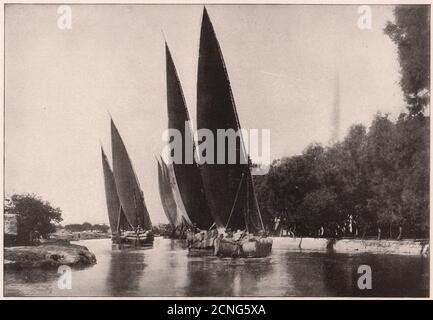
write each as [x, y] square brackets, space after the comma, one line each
[175, 237]
[249, 248]
[134, 240]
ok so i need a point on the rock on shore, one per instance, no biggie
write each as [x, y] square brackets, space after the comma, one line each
[48, 255]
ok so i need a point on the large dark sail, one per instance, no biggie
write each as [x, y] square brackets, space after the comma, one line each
[113, 203]
[166, 195]
[228, 187]
[187, 173]
[128, 189]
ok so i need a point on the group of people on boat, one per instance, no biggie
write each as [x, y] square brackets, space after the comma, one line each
[202, 239]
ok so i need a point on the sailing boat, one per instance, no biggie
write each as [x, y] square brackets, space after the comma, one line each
[185, 179]
[229, 188]
[128, 215]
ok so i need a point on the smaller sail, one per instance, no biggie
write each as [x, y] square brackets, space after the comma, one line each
[166, 195]
[182, 215]
[111, 197]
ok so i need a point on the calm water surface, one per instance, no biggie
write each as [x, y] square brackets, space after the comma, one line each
[168, 270]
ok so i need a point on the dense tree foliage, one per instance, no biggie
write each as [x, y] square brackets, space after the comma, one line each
[411, 33]
[375, 178]
[36, 217]
[86, 226]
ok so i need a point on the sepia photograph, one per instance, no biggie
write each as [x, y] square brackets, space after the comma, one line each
[216, 151]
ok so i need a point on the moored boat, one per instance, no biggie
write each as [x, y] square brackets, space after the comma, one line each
[136, 238]
[249, 247]
[228, 186]
[213, 196]
[128, 216]
[180, 183]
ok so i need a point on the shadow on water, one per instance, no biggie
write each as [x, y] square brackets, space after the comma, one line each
[212, 276]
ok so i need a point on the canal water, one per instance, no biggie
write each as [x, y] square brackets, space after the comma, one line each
[168, 270]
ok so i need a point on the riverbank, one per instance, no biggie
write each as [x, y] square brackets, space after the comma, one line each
[403, 247]
[48, 255]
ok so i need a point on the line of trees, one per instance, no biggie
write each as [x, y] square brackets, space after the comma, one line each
[86, 226]
[374, 181]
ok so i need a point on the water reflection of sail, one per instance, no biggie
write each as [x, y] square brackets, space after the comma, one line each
[201, 282]
[125, 271]
[228, 277]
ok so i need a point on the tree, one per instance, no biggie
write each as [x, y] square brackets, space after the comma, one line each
[413, 163]
[34, 215]
[87, 226]
[375, 178]
[319, 209]
[411, 34]
[101, 227]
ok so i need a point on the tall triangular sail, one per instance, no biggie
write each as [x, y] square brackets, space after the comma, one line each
[228, 187]
[186, 174]
[112, 199]
[128, 188]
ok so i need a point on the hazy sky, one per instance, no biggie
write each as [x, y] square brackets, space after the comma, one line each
[281, 59]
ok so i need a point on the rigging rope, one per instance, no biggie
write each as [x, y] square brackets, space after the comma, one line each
[236, 198]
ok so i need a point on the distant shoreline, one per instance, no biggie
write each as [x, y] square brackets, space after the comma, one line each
[82, 235]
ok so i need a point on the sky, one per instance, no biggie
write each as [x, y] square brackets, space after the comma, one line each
[282, 61]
